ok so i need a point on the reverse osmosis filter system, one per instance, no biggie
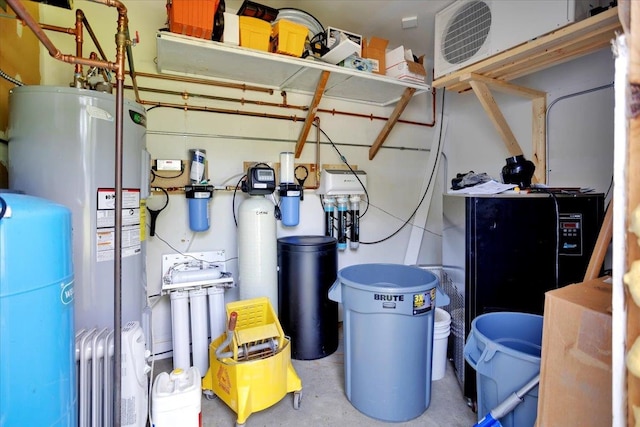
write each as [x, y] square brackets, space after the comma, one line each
[341, 192]
[198, 193]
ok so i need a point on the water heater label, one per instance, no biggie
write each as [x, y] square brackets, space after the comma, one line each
[105, 224]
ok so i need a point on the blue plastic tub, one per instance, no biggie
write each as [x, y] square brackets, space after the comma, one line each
[504, 349]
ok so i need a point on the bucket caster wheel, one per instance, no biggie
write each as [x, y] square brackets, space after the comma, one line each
[297, 398]
[209, 395]
[239, 425]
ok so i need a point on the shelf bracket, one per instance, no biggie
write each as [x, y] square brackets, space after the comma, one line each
[313, 109]
[481, 87]
[397, 112]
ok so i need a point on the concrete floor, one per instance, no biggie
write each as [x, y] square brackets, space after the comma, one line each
[324, 402]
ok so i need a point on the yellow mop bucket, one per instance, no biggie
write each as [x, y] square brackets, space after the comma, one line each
[250, 366]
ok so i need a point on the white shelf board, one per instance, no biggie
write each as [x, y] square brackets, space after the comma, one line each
[193, 56]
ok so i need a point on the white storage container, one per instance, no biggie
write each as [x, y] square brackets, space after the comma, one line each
[176, 399]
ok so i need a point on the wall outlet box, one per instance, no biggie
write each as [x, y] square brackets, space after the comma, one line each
[168, 165]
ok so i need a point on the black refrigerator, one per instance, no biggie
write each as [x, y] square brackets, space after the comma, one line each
[503, 252]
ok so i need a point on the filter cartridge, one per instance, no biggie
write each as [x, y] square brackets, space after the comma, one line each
[198, 156]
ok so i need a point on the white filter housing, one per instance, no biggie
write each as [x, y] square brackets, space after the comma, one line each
[257, 250]
[468, 31]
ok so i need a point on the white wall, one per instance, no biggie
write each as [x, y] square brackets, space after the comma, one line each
[580, 135]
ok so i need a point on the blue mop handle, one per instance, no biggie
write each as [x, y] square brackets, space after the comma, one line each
[488, 421]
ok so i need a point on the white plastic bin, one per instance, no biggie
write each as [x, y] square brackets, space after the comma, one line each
[176, 399]
[441, 330]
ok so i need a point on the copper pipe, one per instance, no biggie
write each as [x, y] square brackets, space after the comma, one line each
[240, 86]
[334, 112]
[223, 111]
[58, 29]
[79, 38]
[22, 13]
[186, 95]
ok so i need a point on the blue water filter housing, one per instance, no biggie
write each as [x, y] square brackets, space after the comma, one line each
[290, 204]
[198, 199]
[37, 344]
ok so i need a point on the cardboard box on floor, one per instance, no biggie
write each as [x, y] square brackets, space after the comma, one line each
[575, 369]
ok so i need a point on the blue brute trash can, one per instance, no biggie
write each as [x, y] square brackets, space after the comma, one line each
[388, 336]
[504, 349]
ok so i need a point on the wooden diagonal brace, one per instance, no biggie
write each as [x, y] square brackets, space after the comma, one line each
[313, 109]
[397, 112]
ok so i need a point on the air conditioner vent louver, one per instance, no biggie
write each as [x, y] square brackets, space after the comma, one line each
[467, 32]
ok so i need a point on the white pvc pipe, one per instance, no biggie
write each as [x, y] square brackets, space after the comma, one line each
[180, 329]
[199, 330]
[217, 315]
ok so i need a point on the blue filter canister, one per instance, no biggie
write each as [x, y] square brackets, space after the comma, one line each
[198, 197]
[290, 204]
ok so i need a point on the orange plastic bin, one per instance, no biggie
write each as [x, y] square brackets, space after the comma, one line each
[192, 17]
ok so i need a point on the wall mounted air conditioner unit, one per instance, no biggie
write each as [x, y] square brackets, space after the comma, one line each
[470, 30]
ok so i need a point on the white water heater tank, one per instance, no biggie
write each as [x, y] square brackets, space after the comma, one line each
[257, 250]
[62, 148]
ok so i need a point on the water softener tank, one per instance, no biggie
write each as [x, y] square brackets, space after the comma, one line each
[307, 267]
[62, 148]
[37, 348]
[257, 250]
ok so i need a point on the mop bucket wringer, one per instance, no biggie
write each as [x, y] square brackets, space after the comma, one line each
[250, 366]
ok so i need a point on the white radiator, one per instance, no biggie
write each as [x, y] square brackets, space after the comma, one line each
[94, 373]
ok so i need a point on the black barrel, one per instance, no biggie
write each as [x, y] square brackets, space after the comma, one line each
[307, 267]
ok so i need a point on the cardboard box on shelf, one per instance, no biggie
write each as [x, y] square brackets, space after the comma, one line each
[400, 64]
[375, 50]
[575, 368]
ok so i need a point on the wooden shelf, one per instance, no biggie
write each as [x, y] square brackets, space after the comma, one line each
[193, 56]
[564, 44]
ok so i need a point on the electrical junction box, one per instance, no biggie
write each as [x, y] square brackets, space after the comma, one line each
[168, 165]
[336, 182]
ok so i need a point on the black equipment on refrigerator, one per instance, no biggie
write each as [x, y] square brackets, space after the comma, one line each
[503, 252]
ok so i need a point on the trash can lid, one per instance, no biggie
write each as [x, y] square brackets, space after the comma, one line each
[306, 243]
[387, 278]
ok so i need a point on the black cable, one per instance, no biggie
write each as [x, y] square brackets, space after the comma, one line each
[557, 245]
[233, 200]
[606, 194]
[344, 160]
[155, 175]
[424, 195]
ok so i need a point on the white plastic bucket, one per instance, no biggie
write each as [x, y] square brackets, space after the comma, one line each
[176, 399]
[441, 330]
